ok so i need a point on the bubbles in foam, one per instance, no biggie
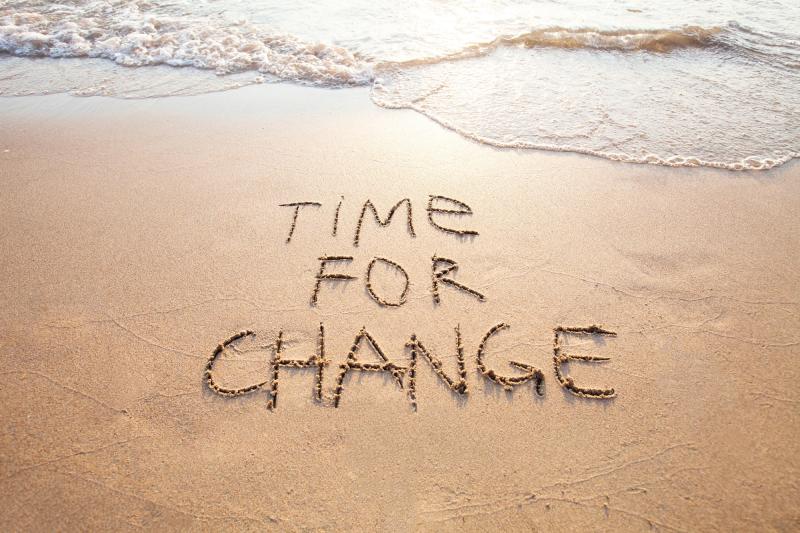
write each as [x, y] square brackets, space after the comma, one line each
[133, 37]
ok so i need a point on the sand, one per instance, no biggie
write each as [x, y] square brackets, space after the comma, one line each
[136, 236]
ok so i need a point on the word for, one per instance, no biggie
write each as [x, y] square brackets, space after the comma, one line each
[434, 208]
[438, 276]
[458, 385]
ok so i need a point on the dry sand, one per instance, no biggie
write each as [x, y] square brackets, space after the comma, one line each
[137, 235]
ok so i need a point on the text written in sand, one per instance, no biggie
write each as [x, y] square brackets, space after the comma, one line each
[439, 210]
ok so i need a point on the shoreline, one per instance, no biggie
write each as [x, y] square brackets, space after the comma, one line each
[265, 88]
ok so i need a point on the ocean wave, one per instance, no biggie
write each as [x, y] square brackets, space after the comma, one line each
[133, 37]
[772, 50]
[660, 41]
[664, 40]
[134, 34]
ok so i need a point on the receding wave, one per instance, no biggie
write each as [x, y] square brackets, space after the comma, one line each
[748, 162]
[702, 109]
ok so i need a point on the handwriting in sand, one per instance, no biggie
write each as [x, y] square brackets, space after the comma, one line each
[443, 271]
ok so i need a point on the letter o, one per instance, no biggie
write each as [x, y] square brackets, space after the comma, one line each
[377, 298]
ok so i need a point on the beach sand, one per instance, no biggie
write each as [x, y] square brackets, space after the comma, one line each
[137, 235]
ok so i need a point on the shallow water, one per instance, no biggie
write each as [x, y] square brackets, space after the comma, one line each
[679, 83]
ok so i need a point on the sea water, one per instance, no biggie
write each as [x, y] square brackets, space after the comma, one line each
[683, 83]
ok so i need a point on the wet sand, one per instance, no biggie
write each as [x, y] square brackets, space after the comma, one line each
[138, 235]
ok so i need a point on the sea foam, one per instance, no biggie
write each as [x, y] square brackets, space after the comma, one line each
[134, 38]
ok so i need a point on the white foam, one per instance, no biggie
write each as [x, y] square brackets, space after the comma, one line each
[133, 38]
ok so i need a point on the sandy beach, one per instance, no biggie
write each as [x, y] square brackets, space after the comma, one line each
[138, 235]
